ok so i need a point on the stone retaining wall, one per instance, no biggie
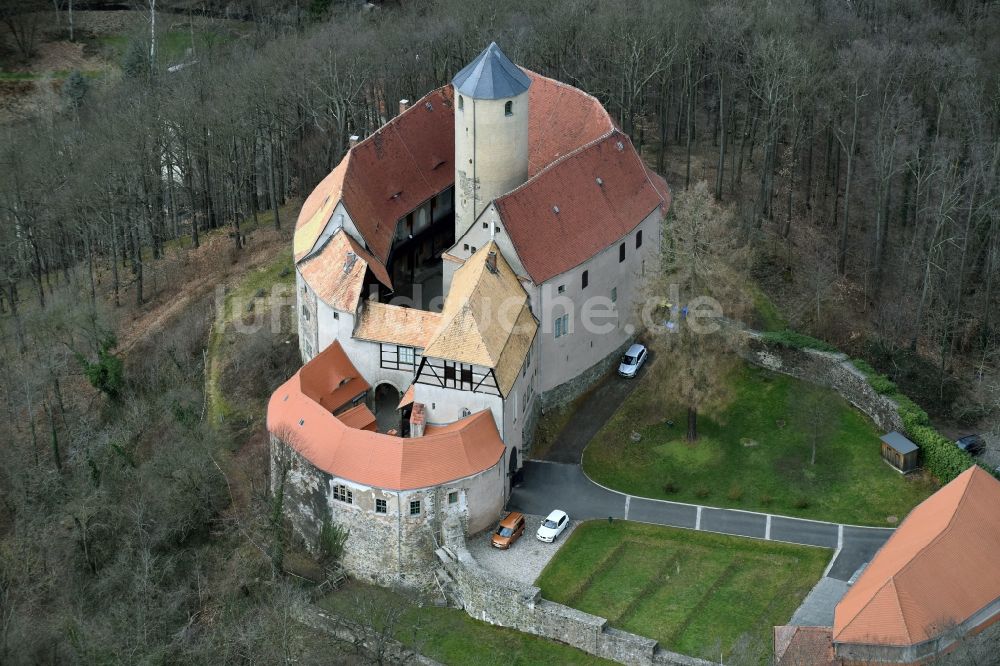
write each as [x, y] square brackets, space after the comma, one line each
[572, 389]
[496, 600]
[831, 369]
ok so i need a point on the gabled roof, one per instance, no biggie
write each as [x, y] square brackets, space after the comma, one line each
[337, 272]
[330, 379]
[486, 318]
[940, 567]
[461, 449]
[491, 76]
[381, 322]
[798, 646]
[406, 162]
[898, 442]
[578, 206]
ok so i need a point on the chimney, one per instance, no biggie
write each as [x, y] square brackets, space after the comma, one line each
[417, 420]
[353, 141]
[404, 104]
[491, 261]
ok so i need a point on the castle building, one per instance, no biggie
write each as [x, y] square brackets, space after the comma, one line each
[476, 259]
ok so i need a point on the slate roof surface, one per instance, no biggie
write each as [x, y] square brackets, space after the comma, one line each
[898, 442]
[940, 567]
[491, 75]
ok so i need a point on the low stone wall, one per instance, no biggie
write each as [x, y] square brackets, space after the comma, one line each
[495, 600]
[572, 389]
[830, 369]
[377, 648]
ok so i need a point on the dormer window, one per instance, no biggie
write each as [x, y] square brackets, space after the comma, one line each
[508, 109]
[461, 102]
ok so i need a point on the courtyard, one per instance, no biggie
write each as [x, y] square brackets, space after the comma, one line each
[696, 593]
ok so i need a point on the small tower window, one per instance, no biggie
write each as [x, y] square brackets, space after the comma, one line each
[508, 109]
[461, 102]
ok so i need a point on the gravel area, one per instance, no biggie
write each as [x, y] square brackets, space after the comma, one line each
[523, 561]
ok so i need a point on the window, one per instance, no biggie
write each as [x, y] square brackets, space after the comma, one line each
[467, 376]
[305, 312]
[508, 109]
[614, 294]
[486, 225]
[473, 249]
[343, 494]
[407, 355]
[562, 325]
[415, 507]
[562, 288]
[453, 497]
[465, 247]
[621, 253]
[449, 372]
[336, 315]
[466, 412]
[585, 279]
[638, 239]
[380, 506]
[514, 401]
[461, 102]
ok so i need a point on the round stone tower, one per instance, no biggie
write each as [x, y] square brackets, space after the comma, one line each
[491, 133]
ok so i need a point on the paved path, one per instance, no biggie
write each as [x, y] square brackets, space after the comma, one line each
[548, 485]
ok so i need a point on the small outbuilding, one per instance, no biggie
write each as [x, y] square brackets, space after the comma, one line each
[900, 452]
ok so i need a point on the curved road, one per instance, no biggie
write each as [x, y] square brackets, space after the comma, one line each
[559, 482]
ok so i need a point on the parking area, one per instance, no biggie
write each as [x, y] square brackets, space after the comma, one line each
[525, 559]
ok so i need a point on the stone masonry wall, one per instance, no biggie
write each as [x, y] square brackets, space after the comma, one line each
[504, 602]
[833, 370]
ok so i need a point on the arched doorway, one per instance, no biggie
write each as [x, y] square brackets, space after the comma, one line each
[385, 405]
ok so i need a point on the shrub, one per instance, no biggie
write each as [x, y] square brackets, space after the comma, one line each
[794, 340]
[802, 502]
[332, 539]
[670, 486]
[735, 492]
[702, 492]
[106, 374]
[882, 384]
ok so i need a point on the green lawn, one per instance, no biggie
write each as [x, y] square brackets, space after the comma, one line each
[751, 455]
[695, 593]
[449, 635]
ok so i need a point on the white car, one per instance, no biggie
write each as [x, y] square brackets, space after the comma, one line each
[632, 360]
[552, 526]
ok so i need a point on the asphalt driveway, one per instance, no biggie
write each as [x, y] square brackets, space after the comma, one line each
[547, 485]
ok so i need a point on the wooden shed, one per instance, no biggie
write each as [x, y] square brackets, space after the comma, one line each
[900, 452]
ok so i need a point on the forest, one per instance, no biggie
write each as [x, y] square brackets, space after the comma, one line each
[857, 144]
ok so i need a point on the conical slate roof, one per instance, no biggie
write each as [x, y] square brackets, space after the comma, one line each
[491, 76]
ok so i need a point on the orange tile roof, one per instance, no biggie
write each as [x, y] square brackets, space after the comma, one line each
[460, 449]
[592, 215]
[938, 568]
[359, 417]
[330, 379]
[381, 322]
[336, 277]
[561, 119]
[407, 398]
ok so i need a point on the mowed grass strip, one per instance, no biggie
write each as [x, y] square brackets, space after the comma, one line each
[694, 592]
[753, 453]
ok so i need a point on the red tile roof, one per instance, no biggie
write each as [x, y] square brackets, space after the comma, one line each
[592, 215]
[460, 449]
[330, 379]
[561, 119]
[359, 417]
[799, 646]
[337, 279]
[940, 567]
[407, 161]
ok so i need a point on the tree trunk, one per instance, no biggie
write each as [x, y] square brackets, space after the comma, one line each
[722, 140]
[692, 429]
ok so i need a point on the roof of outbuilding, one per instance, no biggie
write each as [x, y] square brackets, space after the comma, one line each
[897, 441]
[486, 319]
[796, 646]
[491, 75]
[578, 206]
[461, 449]
[330, 379]
[940, 567]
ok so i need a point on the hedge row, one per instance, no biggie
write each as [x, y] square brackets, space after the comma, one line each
[941, 457]
[794, 340]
